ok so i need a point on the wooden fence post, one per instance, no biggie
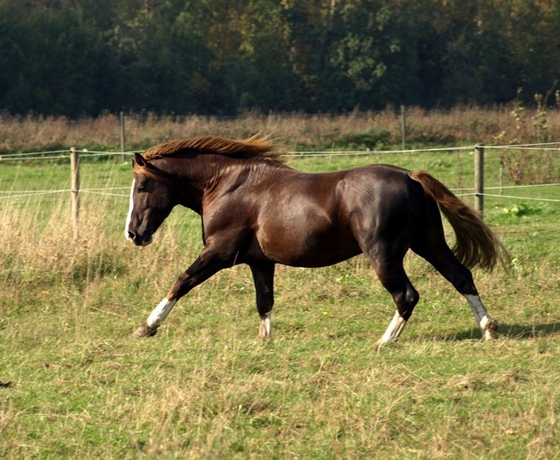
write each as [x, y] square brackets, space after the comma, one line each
[479, 178]
[403, 127]
[501, 177]
[123, 138]
[75, 188]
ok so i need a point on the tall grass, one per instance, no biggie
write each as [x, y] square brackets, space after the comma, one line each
[461, 125]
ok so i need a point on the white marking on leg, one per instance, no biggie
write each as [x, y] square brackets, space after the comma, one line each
[487, 325]
[159, 313]
[265, 326]
[394, 330]
[130, 208]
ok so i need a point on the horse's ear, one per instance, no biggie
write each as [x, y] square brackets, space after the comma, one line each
[139, 159]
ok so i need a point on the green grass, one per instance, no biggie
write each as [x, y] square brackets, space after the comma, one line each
[75, 384]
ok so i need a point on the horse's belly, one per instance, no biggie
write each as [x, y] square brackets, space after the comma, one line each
[290, 247]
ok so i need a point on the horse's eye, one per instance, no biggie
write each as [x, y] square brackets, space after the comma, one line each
[141, 187]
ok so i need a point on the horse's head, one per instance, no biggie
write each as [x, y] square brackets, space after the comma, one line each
[151, 201]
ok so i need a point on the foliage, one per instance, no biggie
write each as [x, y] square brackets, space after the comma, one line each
[82, 57]
[521, 209]
[530, 166]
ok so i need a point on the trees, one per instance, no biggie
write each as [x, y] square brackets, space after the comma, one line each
[80, 57]
[50, 59]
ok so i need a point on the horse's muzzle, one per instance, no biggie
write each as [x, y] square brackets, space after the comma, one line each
[139, 240]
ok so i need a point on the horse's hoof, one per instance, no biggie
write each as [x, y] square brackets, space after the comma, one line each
[490, 329]
[492, 325]
[381, 343]
[145, 331]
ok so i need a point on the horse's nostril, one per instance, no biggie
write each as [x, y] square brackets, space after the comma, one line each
[131, 235]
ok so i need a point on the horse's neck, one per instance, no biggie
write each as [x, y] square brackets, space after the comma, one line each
[203, 171]
[206, 176]
[198, 178]
[222, 175]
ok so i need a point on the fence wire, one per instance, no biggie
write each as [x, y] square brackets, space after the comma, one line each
[49, 155]
[110, 191]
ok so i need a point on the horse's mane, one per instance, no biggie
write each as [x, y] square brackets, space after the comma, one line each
[257, 146]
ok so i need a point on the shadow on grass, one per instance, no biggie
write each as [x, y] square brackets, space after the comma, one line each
[514, 331]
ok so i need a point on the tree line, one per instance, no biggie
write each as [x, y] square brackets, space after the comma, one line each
[83, 57]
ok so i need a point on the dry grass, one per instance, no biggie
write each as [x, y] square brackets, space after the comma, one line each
[81, 387]
[461, 125]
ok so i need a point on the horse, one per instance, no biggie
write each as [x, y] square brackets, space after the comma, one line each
[259, 211]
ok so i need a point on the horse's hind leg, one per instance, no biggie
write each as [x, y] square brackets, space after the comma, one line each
[393, 277]
[437, 252]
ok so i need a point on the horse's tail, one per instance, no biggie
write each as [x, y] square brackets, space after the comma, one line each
[476, 244]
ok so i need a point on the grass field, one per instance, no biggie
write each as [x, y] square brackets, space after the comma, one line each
[75, 384]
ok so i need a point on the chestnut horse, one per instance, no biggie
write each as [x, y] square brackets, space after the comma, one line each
[258, 211]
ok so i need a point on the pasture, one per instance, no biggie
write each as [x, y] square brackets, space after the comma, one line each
[75, 384]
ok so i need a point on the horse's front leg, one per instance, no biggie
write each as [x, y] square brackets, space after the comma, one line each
[263, 276]
[202, 269]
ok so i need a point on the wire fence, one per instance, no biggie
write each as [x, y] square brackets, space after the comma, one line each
[120, 191]
[57, 154]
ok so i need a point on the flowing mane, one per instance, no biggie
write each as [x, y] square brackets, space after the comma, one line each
[255, 147]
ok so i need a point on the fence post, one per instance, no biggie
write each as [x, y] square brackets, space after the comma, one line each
[479, 178]
[123, 138]
[403, 127]
[501, 177]
[75, 167]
